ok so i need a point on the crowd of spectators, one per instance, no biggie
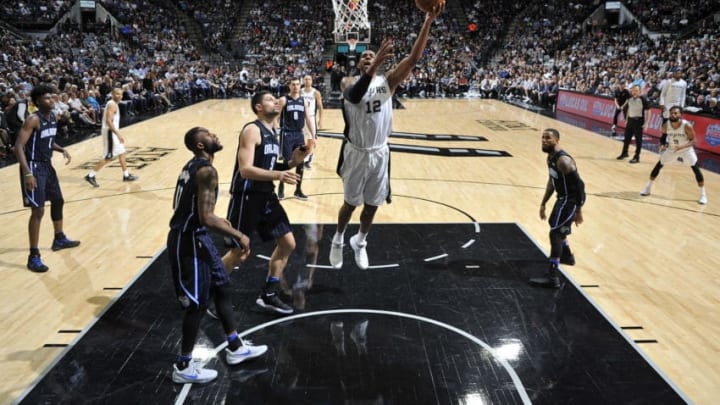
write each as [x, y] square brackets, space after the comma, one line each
[286, 40]
[601, 60]
[216, 18]
[154, 33]
[549, 46]
[34, 13]
[671, 16]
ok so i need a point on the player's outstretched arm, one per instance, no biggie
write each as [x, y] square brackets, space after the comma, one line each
[354, 90]
[403, 69]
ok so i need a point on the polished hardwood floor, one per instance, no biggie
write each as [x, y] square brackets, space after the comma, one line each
[647, 262]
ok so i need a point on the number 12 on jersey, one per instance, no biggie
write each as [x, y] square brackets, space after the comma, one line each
[373, 106]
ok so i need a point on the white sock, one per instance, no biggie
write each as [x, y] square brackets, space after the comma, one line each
[361, 237]
[339, 238]
[92, 173]
[126, 173]
[702, 190]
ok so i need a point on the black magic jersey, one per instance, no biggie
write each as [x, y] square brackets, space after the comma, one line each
[293, 115]
[573, 192]
[40, 143]
[266, 154]
[186, 217]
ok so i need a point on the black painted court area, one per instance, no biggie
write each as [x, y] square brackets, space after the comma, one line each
[422, 336]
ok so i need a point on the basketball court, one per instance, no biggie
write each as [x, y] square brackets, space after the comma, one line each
[447, 315]
[444, 315]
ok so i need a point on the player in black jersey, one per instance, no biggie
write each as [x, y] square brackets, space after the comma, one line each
[565, 181]
[254, 206]
[293, 119]
[33, 149]
[196, 266]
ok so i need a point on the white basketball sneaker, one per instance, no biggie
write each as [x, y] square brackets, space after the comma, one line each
[703, 199]
[646, 191]
[245, 352]
[193, 374]
[361, 257]
[336, 255]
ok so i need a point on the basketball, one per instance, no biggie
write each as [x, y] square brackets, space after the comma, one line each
[427, 5]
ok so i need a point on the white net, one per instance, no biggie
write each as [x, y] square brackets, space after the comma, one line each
[351, 20]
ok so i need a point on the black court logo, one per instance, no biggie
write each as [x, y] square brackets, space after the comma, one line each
[506, 125]
[137, 158]
[431, 150]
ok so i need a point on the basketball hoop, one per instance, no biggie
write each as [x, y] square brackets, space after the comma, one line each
[351, 44]
[351, 21]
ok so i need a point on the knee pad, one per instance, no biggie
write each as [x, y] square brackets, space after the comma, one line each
[698, 174]
[56, 209]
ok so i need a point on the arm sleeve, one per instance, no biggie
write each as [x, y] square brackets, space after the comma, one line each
[355, 92]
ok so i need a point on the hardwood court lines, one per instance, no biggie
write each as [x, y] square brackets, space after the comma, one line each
[425, 288]
[626, 248]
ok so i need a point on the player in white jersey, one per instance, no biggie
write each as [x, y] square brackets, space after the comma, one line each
[113, 142]
[315, 110]
[676, 146]
[673, 93]
[365, 155]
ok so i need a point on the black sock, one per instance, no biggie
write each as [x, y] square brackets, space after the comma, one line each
[34, 251]
[271, 284]
[59, 236]
[234, 342]
[554, 263]
[183, 362]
